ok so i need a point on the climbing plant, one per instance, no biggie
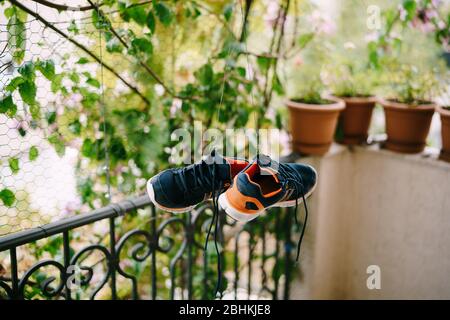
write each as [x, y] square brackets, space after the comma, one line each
[153, 67]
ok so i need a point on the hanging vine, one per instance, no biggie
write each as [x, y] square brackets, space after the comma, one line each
[135, 56]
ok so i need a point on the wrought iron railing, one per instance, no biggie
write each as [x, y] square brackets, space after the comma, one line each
[165, 258]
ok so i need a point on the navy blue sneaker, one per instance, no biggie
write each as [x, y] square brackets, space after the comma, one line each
[181, 189]
[266, 183]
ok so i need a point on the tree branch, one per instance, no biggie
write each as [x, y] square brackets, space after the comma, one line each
[271, 48]
[125, 44]
[81, 46]
[269, 87]
[243, 36]
[63, 7]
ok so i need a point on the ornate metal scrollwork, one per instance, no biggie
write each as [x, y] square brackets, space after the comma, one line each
[45, 285]
[180, 239]
[148, 246]
[170, 240]
[87, 279]
[7, 289]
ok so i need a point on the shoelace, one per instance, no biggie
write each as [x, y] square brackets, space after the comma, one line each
[205, 180]
[297, 181]
[215, 221]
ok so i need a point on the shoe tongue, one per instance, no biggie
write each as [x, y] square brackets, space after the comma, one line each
[261, 172]
[264, 161]
[264, 165]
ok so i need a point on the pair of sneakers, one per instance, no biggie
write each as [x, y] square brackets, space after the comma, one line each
[243, 189]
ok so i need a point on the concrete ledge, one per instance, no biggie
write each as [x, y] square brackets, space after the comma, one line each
[376, 207]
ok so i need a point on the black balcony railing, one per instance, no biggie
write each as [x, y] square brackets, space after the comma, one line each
[167, 254]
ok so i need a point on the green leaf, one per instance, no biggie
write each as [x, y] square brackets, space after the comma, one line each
[88, 149]
[228, 11]
[56, 83]
[21, 15]
[205, 74]
[7, 197]
[16, 33]
[33, 154]
[241, 71]
[14, 83]
[47, 68]
[373, 55]
[263, 62]
[7, 106]
[57, 142]
[185, 107]
[304, 39]
[13, 165]
[75, 127]
[117, 149]
[138, 14]
[83, 60]
[99, 21]
[89, 98]
[27, 91]
[390, 17]
[277, 85]
[142, 45]
[74, 77]
[278, 120]
[27, 71]
[114, 45]
[410, 7]
[164, 13]
[93, 82]
[73, 27]
[22, 131]
[9, 12]
[35, 111]
[51, 117]
[151, 22]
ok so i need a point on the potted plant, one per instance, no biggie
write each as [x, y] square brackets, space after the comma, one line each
[353, 85]
[445, 132]
[313, 119]
[409, 110]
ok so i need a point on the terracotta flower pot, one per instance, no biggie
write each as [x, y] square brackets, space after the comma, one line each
[407, 126]
[445, 132]
[312, 126]
[355, 119]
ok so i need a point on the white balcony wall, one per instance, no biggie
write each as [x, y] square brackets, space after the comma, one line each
[375, 207]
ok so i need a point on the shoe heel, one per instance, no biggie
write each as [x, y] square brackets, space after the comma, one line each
[234, 212]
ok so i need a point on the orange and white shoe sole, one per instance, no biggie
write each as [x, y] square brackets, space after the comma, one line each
[245, 217]
[151, 195]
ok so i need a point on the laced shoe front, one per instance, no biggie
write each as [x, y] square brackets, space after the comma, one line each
[181, 189]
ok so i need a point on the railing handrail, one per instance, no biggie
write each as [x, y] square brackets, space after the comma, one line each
[110, 211]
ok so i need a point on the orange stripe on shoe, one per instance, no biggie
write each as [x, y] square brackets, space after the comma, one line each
[238, 201]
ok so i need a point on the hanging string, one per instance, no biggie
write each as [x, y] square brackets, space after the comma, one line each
[249, 67]
[106, 167]
[215, 220]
